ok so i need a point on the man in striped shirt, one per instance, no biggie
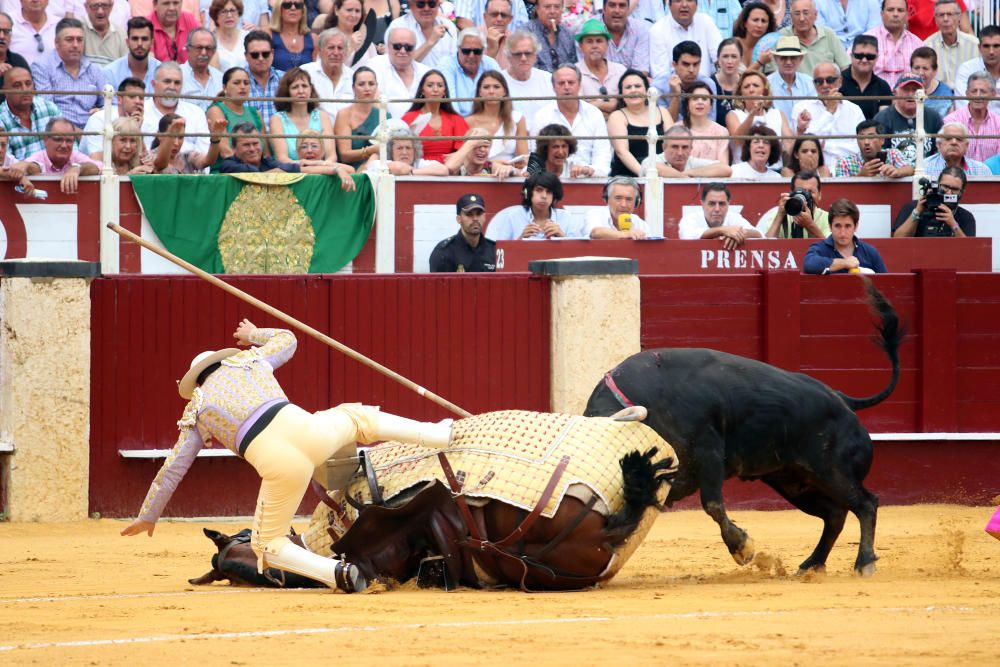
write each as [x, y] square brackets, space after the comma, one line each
[895, 42]
[953, 47]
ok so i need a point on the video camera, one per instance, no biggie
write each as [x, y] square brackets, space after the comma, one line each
[934, 197]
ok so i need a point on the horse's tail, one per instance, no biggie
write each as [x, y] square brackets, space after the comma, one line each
[890, 334]
[642, 479]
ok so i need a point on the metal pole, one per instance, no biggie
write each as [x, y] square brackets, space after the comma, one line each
[654, 186]
[385, 197]
[109, 191]
[920, 136]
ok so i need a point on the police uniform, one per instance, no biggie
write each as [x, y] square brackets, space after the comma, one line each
[455, 254]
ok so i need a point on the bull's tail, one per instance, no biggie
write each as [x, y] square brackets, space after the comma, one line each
[642, 479]
[890, 334]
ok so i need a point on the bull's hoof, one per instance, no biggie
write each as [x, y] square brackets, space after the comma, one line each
[866, 570]
[744, 555]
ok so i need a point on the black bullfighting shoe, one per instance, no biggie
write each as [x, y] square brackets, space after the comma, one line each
[349, 578]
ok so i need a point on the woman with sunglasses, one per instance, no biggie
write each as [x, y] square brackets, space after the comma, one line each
[497, 116]
[632, 118]
[807, 155]
[696, 109]
[229, 52]
[748, 113]
[301, 114]
[755, 21]
[435, 119]
[293, 42]
[231, 106]
[359, 119]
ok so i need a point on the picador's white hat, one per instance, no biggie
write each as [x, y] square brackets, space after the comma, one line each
[186, 385]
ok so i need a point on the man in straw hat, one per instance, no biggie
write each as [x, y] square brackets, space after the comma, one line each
[235, 399]
[787, 80]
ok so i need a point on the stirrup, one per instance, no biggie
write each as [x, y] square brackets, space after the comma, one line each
[349, 578]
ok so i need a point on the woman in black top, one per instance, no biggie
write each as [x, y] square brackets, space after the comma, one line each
[632, 118]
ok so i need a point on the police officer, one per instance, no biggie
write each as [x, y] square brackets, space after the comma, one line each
[468, 250]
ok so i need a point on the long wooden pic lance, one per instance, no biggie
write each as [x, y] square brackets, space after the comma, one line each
[290, 321]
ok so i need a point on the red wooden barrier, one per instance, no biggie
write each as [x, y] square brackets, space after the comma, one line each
[472, 339]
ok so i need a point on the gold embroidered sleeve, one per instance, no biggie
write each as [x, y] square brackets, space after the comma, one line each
[276, 345]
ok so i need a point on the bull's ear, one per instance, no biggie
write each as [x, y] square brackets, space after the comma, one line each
[633, 413]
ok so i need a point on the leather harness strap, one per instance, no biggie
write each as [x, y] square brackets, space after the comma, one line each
[456, 489]
[372, 482]
[616, 392]
[569, 528]
[529, 520]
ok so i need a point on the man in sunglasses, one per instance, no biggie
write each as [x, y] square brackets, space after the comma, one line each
[895, 43]
[8, 59]
[170, 30]
[34, 29]
[103, 40]
[600, 76]
[264, 77]
[860, 80]
[829, 117]
[398, 74]
[66, 68]
[463, 71]
[436, 36]
[494, 19]
[523, 78]
[556, 41]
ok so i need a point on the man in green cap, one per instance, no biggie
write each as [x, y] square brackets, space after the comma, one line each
[600, 76]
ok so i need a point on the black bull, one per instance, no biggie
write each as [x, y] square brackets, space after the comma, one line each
[729, 416]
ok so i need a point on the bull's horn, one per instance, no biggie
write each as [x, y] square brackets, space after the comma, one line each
[633, 413]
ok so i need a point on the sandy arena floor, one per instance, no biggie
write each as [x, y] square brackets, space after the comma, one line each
[80, 594]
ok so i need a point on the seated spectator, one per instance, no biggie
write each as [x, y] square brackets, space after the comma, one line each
[629, 43]
[676, 160]
[761, 153]
[900, 120]
[171, 26]
[200, 78]
[437, 37]
[842, 251]
[860, 80]
[359, 119]
[348, 19]
[303, 113]
[546, 29]
[309, 146]
[290, 35]
[583, 120]
[686, 70]
[953, 46]
[167, 83]
[727, 76]
[23, 114]
[431, 118]
[696, 106]
[473, 158]
[234, 109]
[948, 220]
[405, 157]
[553, 155]
[681, 22]
[924, 63]
[600, 75]
[496, 115]
[748, 113]
[715, 220]
[988, 61]
[632, 118]
[850, 19]
[103, 41]
[523, 78]
[819, 42]
[264, 77]
[807, 155]
[497, 21]
[227, 16]
[248, 156]
[536, 217]
[754, 21]
[67, 69]
[463, 71]
[978, 118]
[330, 76]
[33, 30]
[131, 101]
[58, 157]
[127, 148]
[468, 250]
[397, 72]
[952, 145]
[138, 63]
[171, 152]
[8, 59]
[871, 159]
[829, 117]
[896, 43]
[8, 170]
[618, 220]
[787, 80]
[810, 222]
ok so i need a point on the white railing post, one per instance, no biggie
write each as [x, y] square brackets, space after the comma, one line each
[920, 136]
[385, 197]
[654, 187]
[109, 191]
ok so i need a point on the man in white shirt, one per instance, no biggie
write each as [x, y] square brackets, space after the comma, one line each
[330, 77]
[169, 80]
[436, 36]
[129, 102]
[830, 117]
[397, 72]
[683, 24]
[583, 120]
[715, 220]
[200, 78]
[618, 220]
[676, 161]
[536, 217]
[523, 78]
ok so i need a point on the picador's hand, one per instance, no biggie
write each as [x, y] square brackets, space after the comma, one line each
[244, 331]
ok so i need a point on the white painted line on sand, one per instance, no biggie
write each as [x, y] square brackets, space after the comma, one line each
[458, 624]
[129, 596]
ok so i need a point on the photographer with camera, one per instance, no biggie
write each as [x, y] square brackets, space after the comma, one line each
[937, 212]
[843, 251]
[798, 215]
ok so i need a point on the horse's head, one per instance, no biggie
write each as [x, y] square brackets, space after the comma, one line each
[236, 563]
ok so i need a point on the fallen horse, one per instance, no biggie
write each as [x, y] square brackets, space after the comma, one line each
[534, 500]
[730, 416]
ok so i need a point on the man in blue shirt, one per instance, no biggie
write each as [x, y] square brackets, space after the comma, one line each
[842, 251]
[462, 72]
[139, 62]
[67, 69]
[848, 22]
[787, 79]
[248, 157]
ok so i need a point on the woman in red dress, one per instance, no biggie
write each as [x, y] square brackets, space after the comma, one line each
[435, 119]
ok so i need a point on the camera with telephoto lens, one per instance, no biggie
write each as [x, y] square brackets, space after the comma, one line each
[798, 201]
[934, 196]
